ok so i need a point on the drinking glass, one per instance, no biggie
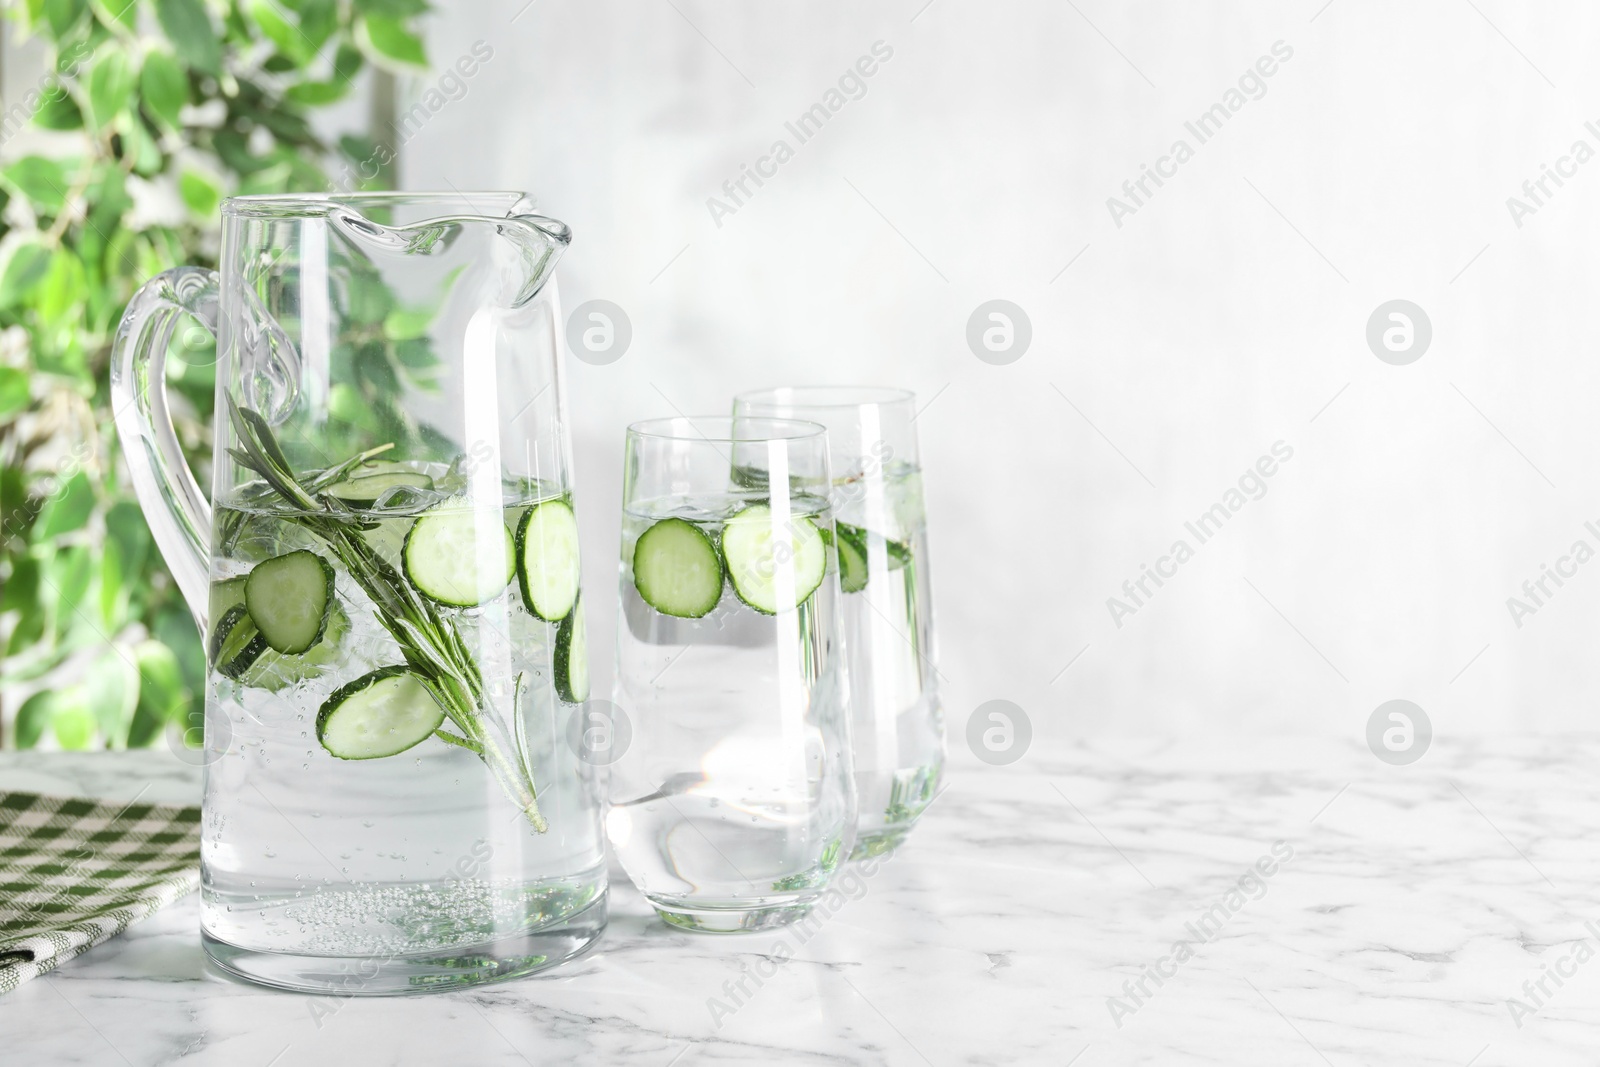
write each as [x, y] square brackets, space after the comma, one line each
[885, 609]
[387, 578]
[733, 804]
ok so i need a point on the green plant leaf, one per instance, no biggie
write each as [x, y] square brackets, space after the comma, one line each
[111, 692]
[43, 181]
[71, 719]
[69, 575]
[347, 62]
[273, 179]
[284, 35]
[67, 510]
[162, 697]
[108, 195]
[113, 584]
[189, 29]
[392, 8]
[63, 15]
[33, 717]
[58, 111]
[111, 85]
[388, 42]
[318, 21]
[124, 581]
[369, 299]
[63, 289]
[164, 88]
[138, 145]
[23, 273]
[315, 94]
[29, 632]
[21, 590]
[346, 404]
[124, 11]
[174, 627]
[13, 391]
[404, 324]
[200, 194]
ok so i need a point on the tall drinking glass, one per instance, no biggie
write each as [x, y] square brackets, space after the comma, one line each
[885, 609]
[733, 804]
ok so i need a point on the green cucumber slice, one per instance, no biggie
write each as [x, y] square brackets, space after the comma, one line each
[852, 547]
[235, 642]
[676, 569]
[379, 714]
[773, 569]
[288, 598]
[899, 554]
[226, 594]
[547, 559]
[274, 671]
[572, 657]
[363, 490]
[450, 561]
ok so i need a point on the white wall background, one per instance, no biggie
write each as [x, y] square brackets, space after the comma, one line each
[1227, 314]
[1222, 317]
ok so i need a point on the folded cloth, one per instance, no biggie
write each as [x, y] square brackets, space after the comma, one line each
[75, 872]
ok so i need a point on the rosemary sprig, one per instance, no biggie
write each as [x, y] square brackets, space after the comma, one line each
[430, 643]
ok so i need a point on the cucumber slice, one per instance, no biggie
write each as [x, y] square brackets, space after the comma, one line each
[449, 560]
[773, 569]
[226, 594]
[363, 490]
[235, 642]
[547, 559]
[676, 569]
[899, 554]
[852, 547]
[379, 714]
[288, 598]
[572, 657]
[274, 671]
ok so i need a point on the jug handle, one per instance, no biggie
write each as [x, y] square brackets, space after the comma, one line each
[176, 509]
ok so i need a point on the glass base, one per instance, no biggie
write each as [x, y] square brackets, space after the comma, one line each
[429, 972]
[881, 841]
[708, 920]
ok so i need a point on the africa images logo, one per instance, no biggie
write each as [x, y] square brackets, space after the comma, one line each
[1252, 85]
[852, 85]
[1252, 485]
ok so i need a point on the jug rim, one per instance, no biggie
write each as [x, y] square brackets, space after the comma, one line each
[468, 204]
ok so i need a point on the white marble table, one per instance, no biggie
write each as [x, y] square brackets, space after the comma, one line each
[1416, 903]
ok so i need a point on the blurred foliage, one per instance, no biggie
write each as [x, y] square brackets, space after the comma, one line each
[148, 114]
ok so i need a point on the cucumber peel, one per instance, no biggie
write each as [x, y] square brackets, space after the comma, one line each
[288, 597]
[364, 490]
[572, 657]
[275, 671]
[235, 642]
[676, 569]
[379, 714]
[773, 569]
[851, 545]
[547, 559]
[453, 557]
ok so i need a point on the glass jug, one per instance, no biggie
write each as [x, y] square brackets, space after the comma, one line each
[386, 579]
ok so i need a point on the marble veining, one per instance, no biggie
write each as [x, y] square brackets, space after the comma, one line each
[1410, 916]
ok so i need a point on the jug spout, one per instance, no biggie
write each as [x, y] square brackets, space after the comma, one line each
[540, 240]
[521, 244]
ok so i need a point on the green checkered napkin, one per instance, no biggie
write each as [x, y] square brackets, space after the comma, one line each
[75, 872]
